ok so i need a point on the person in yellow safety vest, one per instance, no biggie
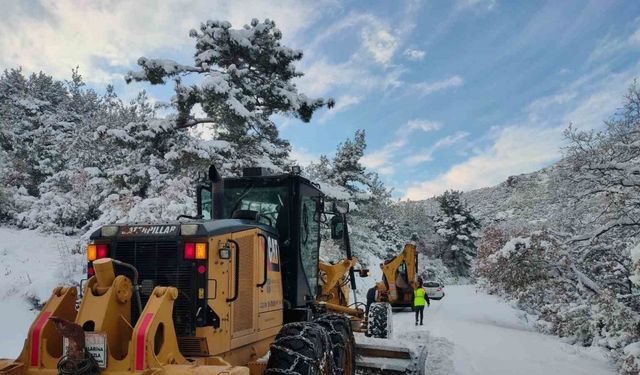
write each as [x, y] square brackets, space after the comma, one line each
[420, 298]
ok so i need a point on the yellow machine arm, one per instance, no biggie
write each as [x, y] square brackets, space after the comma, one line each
[399, 276]
[334, 281]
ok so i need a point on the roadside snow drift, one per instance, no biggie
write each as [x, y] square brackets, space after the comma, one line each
[31, 265]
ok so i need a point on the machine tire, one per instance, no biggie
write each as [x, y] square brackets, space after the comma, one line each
[300, 348]
[342, 342]
[379, 321]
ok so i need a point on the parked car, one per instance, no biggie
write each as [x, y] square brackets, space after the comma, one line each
[435, 290]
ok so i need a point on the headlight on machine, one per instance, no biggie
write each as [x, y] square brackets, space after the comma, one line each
[109, 231]
[188, 229]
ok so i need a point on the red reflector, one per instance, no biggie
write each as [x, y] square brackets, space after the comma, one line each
[202, 269]
[101, 250]
[90, 271]
[189, 250]
[439, 289]
[35, 337]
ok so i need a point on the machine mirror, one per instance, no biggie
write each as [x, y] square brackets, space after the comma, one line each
[337, 227]
[327, 206]
[214, 175]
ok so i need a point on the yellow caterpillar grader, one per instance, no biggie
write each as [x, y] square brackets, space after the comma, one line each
[233, 290]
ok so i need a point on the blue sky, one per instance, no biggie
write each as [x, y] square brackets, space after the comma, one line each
[452, 94]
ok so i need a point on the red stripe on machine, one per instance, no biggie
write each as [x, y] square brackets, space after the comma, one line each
[140, 340]
[35, 337]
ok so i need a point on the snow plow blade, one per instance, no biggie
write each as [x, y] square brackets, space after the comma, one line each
[387, 358]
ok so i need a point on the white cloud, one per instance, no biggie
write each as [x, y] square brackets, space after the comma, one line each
[426, 88]
[369, 68]
[610, 45]
[427, 154]
[517, 149]
[605, 98]
[387, 170]
[484, 4]
[414, 54]
[381, 43]
[342, 104]
[382, 159]
[383, 40]
[547, 101]
[529, 146]
[355, 77]
[322, 77]
[542, 106]
[103, 38]
[346, 101]
[302, 156]
[420, 124]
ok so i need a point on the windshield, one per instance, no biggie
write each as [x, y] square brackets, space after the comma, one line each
[269, 201]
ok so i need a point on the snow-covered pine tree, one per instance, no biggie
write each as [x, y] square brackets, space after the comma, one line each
[348, 170]
[42, 125]
[458, 227]
[320, 170]
[69, 156]
[245, 76]
[343, 177]
[39, 118]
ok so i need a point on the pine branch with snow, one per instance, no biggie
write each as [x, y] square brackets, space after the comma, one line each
[243, 77]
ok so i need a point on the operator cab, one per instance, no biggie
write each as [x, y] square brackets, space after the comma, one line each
[285, 208]
[287, 203]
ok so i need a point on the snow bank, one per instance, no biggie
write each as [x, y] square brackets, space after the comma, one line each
[31, 265]
[14, 325]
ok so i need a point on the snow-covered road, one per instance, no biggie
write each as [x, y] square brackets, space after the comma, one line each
[472, 333]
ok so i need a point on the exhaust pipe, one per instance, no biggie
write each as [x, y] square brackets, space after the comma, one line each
[217, 192]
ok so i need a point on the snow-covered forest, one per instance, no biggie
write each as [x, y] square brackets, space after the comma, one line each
[563, 242]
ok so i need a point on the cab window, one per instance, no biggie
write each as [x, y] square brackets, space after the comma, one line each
[309, 240]
[269, 201]
[205, 203]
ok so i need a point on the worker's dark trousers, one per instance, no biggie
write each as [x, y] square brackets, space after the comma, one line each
[419, 313]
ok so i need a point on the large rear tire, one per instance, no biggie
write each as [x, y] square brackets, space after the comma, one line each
[379, 321]
[342, 342]
[301, 348]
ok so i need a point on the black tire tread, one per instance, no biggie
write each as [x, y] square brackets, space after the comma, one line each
[300, 348]
[378, 320]
[338, 327]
